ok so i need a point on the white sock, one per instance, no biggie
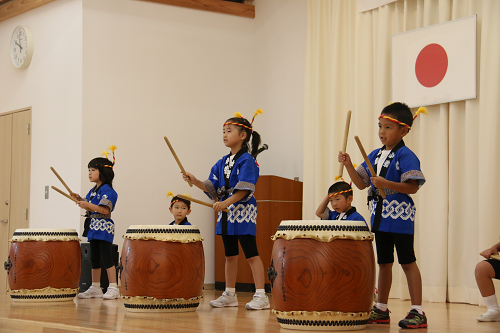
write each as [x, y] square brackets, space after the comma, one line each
[96, 284]
[491, 303]
[381, 306]
[231, 291]
[113, 285]
[418, 308]
[260, 292]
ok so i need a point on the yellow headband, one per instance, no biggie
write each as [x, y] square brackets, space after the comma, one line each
[337, 193]
[420, 110]
[394, 121]
[237, 114]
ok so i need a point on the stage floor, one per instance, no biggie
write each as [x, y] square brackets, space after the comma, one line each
[98, 315]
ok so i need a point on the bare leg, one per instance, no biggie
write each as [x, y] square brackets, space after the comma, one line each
[257, 271]
[484, 274]
[96, 275]
[111, 274]
[231, 271]
[414, 282]
[384, 282]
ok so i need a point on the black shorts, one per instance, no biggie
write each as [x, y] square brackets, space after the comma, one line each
[386, 241]
[496, 267]
[248, 244]
[100, 252]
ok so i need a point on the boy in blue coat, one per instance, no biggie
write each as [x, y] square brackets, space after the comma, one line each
[398, 172]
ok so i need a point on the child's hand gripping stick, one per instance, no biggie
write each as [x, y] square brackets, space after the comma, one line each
[199, 202]
[367, 161]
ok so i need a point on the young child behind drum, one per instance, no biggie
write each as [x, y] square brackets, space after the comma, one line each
[340, 199]
[180, 208]
[398, 172]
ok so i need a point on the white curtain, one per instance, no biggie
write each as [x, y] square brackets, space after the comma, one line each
[349, 68]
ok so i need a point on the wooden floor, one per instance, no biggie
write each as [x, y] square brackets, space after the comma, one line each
[97, 315]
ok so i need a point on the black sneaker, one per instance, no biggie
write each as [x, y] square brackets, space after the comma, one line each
[379, 317]
[414, 320]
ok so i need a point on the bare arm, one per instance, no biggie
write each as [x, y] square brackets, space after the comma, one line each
[322, 207]
[196, 182]
[408, 187]
[218, 206]
[355, 177]
[492, 250]
[94, 208]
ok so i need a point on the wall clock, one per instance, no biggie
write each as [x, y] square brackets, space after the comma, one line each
[21, 47]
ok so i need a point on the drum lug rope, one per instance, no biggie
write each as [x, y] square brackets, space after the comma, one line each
[119, 268]
[271, 273]
[7, 265]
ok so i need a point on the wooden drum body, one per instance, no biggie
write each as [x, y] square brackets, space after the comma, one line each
[44, 265]
[322, 275]
[163, 268]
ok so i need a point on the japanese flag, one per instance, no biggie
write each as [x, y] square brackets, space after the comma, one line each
[435, 64]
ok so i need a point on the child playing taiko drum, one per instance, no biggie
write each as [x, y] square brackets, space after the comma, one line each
[398, 172]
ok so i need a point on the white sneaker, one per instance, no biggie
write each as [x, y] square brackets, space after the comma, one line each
[224, 300]
[489, 316]
[92, 292]
[112, 293]
[258, 303]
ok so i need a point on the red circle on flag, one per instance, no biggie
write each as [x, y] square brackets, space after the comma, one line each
[431, 65]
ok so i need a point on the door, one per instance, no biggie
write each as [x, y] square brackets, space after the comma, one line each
[15, 166]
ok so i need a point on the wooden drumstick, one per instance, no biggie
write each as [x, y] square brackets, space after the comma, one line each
[62, 181]
[381, 190]
[177, 159]
[344, 145]
[67, 196]
[199, 202]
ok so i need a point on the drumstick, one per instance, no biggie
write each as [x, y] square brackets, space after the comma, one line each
[381, 190]
[177, 159]
[344, 145]
[67, 196]
[199, 202]
[62, 181]
[495, 256]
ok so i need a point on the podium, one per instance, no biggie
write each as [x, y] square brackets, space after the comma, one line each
[278, 199]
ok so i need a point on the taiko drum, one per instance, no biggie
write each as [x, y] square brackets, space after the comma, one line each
[163, 268]
[44, 265]
[322, 274]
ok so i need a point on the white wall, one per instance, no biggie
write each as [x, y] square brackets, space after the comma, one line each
[152, 70]
[52, 86]
[279, 53]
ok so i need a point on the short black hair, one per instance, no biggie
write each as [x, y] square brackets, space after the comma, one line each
[399, 111]
[105, 167]
[339, 187]
[176, 198]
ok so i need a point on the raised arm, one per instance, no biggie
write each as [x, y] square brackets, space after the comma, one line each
[355, 177]
[322, 207]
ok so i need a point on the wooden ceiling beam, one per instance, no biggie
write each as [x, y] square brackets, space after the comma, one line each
[218, 6]
[13, 8]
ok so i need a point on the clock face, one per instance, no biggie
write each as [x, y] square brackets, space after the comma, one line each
[21, 47]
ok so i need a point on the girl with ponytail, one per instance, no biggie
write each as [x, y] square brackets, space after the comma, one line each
[231, 184]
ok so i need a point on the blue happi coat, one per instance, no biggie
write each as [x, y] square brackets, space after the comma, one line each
[398, 214]
[102, 226]
[243, 173]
